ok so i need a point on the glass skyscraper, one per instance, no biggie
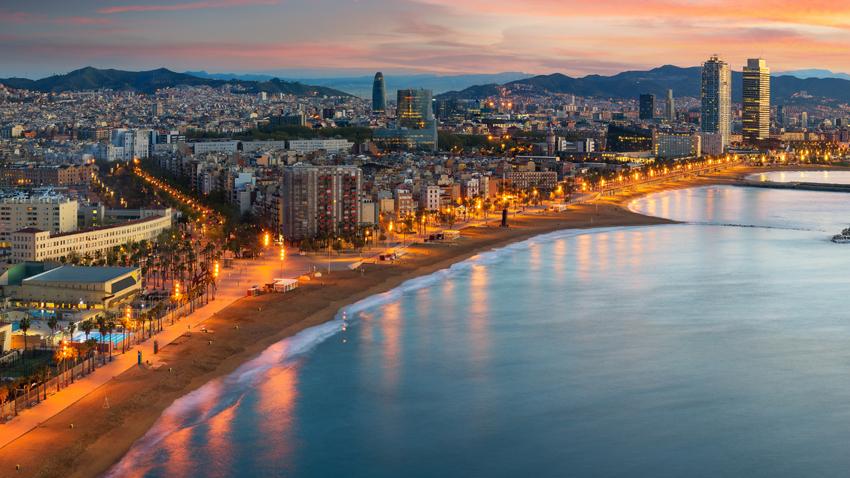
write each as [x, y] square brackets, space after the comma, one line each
[716, 93]
[756, 113]
[414, 108]
[379, 94]
[646, 109]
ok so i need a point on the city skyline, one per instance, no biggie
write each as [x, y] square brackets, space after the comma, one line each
[433, 36]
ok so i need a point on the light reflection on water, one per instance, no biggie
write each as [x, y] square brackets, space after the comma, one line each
[680, 350]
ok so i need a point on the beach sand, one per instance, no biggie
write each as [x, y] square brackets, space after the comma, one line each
[102, 435]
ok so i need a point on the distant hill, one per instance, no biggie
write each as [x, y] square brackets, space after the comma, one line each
[815, 73]
[629, 84]
[362, 85]
[149, 81]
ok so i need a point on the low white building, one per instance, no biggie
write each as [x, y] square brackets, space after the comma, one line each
[34, 244]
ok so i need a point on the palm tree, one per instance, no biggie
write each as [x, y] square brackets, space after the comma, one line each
[87, 327]
[110, 327]
[24, 325]
[102, 328]
[53, 323]
[72, 327]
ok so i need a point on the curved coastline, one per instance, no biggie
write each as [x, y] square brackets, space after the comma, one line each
[190, 410]
[139, 397]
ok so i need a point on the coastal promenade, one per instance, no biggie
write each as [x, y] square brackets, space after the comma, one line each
[137, 396]
[231, 287]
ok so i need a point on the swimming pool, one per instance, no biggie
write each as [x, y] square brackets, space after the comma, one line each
[115, 338]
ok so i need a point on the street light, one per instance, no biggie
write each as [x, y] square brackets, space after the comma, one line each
[282, 257]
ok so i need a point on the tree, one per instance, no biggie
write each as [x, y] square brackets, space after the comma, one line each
[72, 327]
[87, 327]
[53, 323]
[24, 325]
[102, 328]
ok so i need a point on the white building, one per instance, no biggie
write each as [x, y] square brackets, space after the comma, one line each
[676, 145]
[712, 143]
[329, 145]
[126, 144]
[430, 198]
[53, 213]
[32, 244]
[215, 147]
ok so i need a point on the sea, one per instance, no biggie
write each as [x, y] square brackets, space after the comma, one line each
[719, 346]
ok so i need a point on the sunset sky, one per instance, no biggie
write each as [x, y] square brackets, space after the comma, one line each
[329, 37]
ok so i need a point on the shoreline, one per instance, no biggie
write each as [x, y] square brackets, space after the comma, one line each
[101, 436]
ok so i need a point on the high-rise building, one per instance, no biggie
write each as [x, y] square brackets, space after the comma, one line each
[716, 92]
[414, 108]
[379, 94]
[804, 120]
[646, 107]
[756, 92]
[320, 201]
[670, 107]
[416, 128]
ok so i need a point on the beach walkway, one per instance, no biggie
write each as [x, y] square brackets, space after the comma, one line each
[232, 286]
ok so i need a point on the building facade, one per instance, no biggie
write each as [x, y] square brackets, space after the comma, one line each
[33, 244]
[670, 107]
[525, 180]
[320, 201]
[756, 92]
[56, 214]
[716, 99]
[646, 107]
[27, 174]
[379, 94]
[676, 145]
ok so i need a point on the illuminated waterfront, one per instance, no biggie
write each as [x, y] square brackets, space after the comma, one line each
[822, 177]
[681, 350]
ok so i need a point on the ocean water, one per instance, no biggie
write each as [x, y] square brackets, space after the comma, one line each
[825, 177]
[720, 347]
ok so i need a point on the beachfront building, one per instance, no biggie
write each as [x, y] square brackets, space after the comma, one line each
[48, 212]
[69, 287]
[676, 145]
[33, 244]
[756, 103]
[320, 201]
[526, 180]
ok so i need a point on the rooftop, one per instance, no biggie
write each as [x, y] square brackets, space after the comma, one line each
[80, 274]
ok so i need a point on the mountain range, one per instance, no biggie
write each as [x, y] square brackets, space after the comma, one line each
[816, 73]
[89, 78]
[629, 84]
[362, 85]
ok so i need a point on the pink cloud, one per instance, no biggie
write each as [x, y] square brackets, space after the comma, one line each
[201, 5]
[83, 21]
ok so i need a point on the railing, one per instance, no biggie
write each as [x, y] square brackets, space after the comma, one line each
[32, 396]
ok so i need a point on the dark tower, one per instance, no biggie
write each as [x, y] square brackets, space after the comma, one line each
[379, 94]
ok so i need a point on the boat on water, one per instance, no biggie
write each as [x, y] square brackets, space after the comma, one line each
[843, 238]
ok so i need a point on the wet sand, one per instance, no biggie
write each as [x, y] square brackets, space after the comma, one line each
[102, 435]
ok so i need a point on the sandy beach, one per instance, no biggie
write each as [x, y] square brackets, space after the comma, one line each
[101, 435]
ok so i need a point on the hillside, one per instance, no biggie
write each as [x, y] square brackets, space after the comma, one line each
[149, 81]
[683, 81]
